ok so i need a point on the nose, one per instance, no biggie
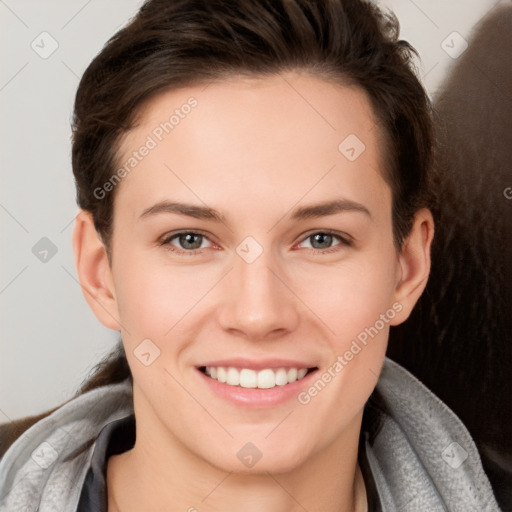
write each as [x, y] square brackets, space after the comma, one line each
[259, 303]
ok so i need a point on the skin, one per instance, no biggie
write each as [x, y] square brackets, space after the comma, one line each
[255, 150]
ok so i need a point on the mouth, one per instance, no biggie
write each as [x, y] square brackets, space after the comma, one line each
[248, 378]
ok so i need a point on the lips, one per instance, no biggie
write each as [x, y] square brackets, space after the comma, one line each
[273, 391]
[253, 383]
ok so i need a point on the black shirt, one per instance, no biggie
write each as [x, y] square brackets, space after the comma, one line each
[116, 437]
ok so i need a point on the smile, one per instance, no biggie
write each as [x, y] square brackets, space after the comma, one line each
[266, 378]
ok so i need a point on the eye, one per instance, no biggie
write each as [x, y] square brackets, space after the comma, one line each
[321, 241]
[192, 242]
[188, 242]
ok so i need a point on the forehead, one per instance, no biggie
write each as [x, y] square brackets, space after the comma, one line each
[277, 137]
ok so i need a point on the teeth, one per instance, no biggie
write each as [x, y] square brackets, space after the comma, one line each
[248, 378]
[281, 377]
[221, 374]
[233, 377]
[266, 379]
[292, 374]
[262, 379]
[301, 373]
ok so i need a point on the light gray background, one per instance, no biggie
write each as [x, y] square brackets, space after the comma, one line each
[50, 339]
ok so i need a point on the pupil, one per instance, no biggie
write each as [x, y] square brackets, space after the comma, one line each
[322, 238]
[187, 240]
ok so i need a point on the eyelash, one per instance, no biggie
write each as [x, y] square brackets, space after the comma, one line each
[344, 241]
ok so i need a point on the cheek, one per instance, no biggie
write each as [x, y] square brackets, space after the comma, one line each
[141, 301]
[355, 308]
[350, 295]
[152, 297]
[153, 301]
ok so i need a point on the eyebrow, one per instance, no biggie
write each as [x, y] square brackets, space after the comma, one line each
[304, 212]
[329, 208]
[190, 210]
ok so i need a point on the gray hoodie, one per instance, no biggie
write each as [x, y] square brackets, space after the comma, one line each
[420, 455]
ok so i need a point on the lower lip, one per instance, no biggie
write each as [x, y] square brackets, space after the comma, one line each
[256, 397]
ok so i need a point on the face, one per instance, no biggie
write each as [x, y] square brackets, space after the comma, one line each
[253, 238]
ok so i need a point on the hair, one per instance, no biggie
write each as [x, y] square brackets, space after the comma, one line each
[171, 44]
[177, 43]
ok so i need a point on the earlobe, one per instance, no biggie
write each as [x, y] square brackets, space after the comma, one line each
[414, 260]
[94, 272]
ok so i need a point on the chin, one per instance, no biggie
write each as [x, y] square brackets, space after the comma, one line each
[251, 458]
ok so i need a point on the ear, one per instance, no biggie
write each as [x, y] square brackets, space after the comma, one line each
[94, 273]
[414, 261]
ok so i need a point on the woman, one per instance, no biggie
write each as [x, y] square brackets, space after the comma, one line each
[253, 180]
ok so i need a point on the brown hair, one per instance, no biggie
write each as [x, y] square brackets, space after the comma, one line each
[176, 43]
[171, 44]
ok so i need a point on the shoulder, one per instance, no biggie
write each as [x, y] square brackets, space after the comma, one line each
[55, 450]
[10, 431]
[421, 455]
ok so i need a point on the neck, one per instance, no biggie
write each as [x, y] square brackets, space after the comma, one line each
[144, 479]
[162, 473]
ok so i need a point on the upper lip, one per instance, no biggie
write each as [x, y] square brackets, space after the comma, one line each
[254, 364]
